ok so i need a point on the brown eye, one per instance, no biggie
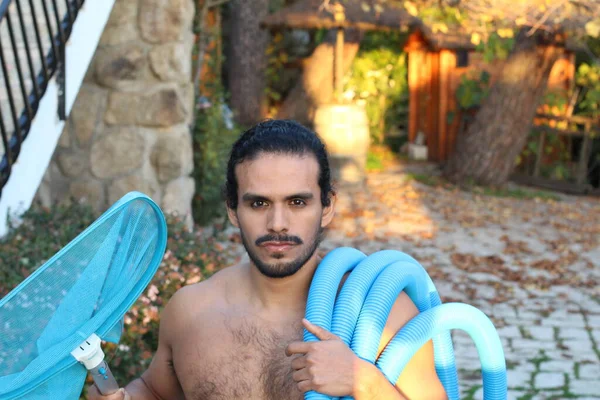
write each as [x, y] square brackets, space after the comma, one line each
[298, 202]
[258, 204]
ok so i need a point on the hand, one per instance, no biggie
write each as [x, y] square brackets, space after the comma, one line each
[94, 394]
[328, 366]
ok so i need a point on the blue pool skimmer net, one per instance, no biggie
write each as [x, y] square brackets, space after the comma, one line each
[52, 323]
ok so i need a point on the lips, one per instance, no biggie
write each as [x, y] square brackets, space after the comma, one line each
[277, 246]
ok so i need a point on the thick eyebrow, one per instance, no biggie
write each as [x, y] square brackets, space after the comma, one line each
[256, 197]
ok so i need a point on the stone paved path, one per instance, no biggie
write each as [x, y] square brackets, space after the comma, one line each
[532, 266]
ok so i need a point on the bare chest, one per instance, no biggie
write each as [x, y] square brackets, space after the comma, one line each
[240, 361]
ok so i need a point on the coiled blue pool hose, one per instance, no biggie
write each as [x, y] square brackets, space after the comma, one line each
[359, 313]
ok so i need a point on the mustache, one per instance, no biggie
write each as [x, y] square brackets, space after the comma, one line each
[278, 238]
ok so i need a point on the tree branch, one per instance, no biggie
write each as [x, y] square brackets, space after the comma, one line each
[545, 17]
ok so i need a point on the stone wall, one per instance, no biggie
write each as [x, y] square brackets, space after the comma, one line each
[129, 127]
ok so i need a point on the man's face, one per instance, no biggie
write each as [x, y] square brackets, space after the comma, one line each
[279, 211]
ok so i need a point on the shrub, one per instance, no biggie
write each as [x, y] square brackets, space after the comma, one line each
[378, 78]
[213, 137]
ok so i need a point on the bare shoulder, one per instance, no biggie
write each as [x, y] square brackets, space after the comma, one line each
[195, 301]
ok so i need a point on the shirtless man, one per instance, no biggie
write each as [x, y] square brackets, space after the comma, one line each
[238, 335]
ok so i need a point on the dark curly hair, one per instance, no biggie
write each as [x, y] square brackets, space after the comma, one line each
[280, 137]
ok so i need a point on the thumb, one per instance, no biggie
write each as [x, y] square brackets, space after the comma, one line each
[319, 332]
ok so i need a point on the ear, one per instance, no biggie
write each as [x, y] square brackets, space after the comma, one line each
[231, 213]
[329, 211]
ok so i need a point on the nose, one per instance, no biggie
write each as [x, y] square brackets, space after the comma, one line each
[278, 219]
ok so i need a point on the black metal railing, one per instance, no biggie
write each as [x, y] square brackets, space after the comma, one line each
[33, 34]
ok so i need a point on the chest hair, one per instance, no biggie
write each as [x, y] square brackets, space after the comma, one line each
[254, 367]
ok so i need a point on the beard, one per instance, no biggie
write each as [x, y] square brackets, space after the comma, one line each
[282, 269]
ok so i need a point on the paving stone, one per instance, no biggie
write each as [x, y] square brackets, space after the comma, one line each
[518, 378]
[527, 314]
[549, 380]
[560, 313]
[533, 344]
[486, 292]
[541, 332]
[504, 310]
[575, 322]
[461, 337]
[596, 336]
[522, 355]
[573, 333]
[585, 388]
[514, 394]
[593, 321]
[557, 366]
[524, 367]
[589, 371]
[467, 360]
[509, 331]
[482, 277]
[579, 346]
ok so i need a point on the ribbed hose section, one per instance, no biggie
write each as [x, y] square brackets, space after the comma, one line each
[323, 291]
[442, 318]
[445, 364]
[352, 296]
[443, 350]
[396, 277]
[390, 283]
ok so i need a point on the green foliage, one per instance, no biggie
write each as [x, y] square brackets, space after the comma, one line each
[443, 19]
[212, 144]
[190, 257]
[39, 236]
[518, 193]
[473, 89]
[374, 163]
[474, 86]
[425, 179]
[556, 99]
[212, 139]
[496, 47]
[277, 57]
[378, 79]
[588, 76]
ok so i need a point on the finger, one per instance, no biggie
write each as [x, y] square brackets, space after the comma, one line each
[94, 394]
[301, 375]
[299, 362]
[304, 386]
[319, 332]
[297, 348]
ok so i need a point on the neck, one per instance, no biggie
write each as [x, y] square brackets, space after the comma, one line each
[285, 294]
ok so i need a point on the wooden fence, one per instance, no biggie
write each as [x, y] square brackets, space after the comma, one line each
[582, 127]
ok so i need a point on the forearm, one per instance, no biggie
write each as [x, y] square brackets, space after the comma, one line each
[373, 385]
[138, 390]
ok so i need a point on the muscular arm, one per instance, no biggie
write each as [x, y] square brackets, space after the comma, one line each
[159, 381]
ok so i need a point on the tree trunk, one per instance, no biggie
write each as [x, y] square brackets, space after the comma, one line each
[486, 152]
[316, 84]
[247, 60]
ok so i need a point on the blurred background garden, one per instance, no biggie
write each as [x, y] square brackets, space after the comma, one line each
[496, 99]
